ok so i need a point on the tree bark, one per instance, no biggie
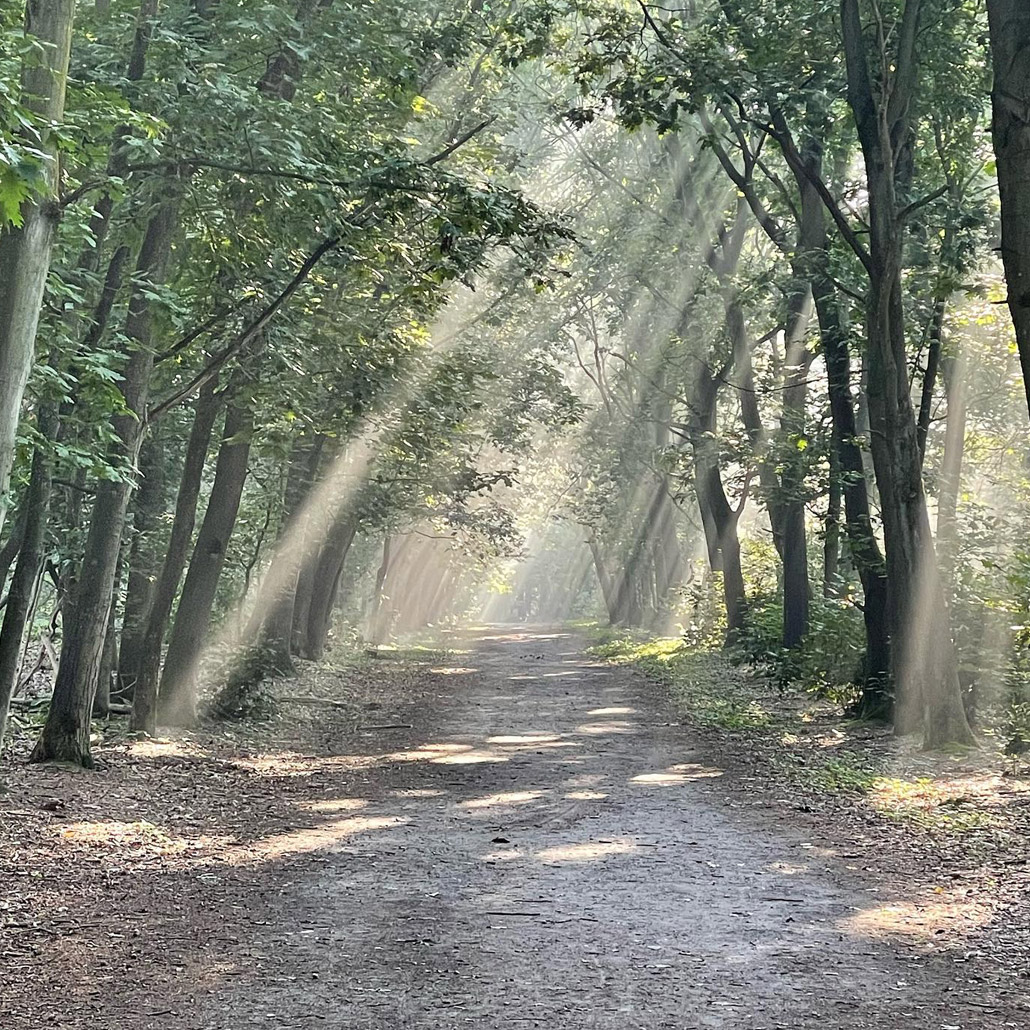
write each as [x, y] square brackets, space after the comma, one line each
[953, 365]
[326, 586]
[929, 386]
[65, 735]
[25, 250]
[604, 580]
[378, 622]
[144, 701]
[142, 559]
[1010, 44]
[177, 697]
[831, 528]
[36, 506]
[718, 517]
[925, 673]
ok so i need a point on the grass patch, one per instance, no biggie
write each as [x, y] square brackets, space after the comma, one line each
[803, 742]
[704, 686]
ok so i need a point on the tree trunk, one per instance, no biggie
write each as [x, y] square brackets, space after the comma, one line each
[315, 532]
[925, 671]
[108, 661]
[379, 622]
[831, 528]
[65, 735]
[876, 699]
[718, 517]
[954, 367]
[933, 362]
[25, 249]
[144, 701]
[177, 697]
[1010, 44]
[36, 506]
[271, 625]
[604, 580]
[783, 484]
[142, 560]
[326, 586]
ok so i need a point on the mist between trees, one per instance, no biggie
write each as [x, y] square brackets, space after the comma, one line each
[324, 321]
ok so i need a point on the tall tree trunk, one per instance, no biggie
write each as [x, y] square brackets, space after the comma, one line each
[142, 561]
[718, 517]
[877, 699]
[831, 528]
[144, 701]
[271, 625]
[25, 249]
[325, 587]
[953, 366]
[65, 735]
[36, 506]
[925, 671]
[379, 622]
[108, 659]
[783, 480]
[316, 532]
[604, 580]
[177, 697]
[1010, 44]
[933, 362]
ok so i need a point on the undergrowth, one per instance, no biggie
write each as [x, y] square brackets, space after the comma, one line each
[801, 735]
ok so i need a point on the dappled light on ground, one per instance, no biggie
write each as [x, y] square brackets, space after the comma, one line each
[158, 748]
[523, 738]
[925, 919]
[136, 839]
[594, 729]
[588, 851]
[308, 839]
[515, 797]
[678, 774]
[337, 805]
[458, 838]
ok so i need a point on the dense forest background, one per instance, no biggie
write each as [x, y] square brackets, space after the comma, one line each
[325, 320]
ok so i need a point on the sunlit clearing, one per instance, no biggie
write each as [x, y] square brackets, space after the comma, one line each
[591, 851]
[516, 797]
[586, 795]
[276, 766]
[613, 711]
[452, 670]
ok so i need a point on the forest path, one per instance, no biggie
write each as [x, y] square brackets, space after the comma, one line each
[543, 848]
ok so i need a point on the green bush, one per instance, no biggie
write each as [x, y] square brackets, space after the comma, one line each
[827, 663]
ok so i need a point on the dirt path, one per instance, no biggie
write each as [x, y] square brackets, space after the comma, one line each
[541, 849]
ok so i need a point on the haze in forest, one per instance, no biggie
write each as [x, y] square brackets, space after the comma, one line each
[330, 329]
